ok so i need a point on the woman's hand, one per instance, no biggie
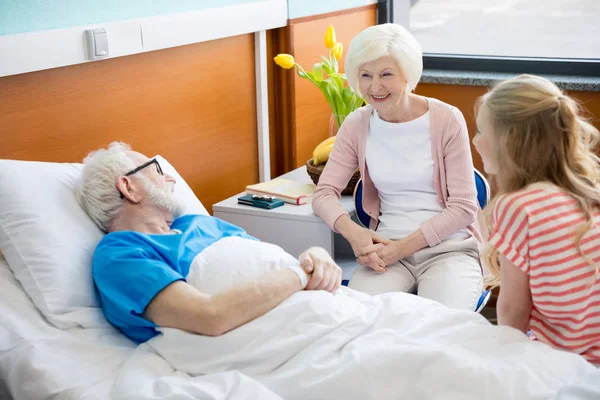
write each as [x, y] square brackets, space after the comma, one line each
[389, 253]
[362, 239]
[392, 251]
[359, 238]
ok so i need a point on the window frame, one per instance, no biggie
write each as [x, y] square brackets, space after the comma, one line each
[498, 64]
[518, 65]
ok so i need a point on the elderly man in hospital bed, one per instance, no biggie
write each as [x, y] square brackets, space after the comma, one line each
[141, 265]
[208, 298]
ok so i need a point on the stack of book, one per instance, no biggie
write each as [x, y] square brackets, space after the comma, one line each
[286, 190]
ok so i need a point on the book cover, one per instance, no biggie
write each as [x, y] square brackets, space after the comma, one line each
[288, 191]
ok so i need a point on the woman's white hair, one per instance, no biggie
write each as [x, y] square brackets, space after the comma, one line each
[96, 191]
[381, 41]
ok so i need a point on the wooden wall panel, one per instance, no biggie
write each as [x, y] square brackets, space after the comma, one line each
[310, 112]
[281, 95]
[195, 105]
[464, 97]
[591, 102]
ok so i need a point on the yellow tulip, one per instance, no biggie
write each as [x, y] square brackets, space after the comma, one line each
[285, 61]
[329, 39]
[338, 49]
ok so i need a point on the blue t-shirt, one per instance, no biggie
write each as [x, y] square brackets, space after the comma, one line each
[130, 268]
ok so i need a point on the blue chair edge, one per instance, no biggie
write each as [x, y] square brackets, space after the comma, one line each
[361, 215]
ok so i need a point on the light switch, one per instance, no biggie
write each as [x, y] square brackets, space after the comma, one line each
[97, 42]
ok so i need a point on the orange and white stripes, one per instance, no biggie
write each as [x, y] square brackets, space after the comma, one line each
[535, 229]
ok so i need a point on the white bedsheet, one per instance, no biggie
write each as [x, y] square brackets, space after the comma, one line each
[585, 388]
[39, 361]
[350, 353]
[316, 345]
[319, 346]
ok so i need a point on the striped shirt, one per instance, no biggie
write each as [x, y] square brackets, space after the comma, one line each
[535, 229]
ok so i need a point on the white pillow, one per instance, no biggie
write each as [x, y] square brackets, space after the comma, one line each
[232, 260]
[182, 190]
[49, 241]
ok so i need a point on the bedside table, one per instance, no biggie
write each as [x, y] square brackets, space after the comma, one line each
[293, 228]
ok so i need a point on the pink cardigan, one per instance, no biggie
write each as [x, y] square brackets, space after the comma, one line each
[453, 176]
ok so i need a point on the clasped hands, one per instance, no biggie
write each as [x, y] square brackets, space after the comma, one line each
[373, 250]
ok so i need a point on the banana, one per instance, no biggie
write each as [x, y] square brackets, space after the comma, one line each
[323, 144]
[322, 155]
[318, 153]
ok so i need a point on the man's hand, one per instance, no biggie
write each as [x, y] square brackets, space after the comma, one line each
[323, 271]
[389, 253]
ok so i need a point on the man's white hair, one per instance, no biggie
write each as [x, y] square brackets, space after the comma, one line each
[97, 191]
[381, 41]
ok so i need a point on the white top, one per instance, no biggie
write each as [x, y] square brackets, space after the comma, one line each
[401, 166]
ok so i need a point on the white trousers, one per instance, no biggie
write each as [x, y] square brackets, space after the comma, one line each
[448, 273]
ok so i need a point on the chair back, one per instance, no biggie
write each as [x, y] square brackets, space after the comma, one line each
[483, 189]
[483, 197]
[361, 215]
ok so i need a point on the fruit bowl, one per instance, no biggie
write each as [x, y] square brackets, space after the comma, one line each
[315, 173]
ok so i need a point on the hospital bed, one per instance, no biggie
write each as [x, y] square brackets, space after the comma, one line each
[55, 342]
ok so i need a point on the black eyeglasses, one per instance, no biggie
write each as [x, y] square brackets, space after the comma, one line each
[144, 165]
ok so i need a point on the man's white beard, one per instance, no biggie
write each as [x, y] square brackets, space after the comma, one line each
[163, 199]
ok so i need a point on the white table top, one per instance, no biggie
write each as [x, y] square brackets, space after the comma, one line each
[288, 211]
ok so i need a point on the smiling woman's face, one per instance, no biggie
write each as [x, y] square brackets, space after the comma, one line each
[382, 83]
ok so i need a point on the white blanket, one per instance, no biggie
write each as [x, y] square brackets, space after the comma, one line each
[39, 361]
[316, 345]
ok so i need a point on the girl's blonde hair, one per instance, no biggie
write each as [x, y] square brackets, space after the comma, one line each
[540, 136]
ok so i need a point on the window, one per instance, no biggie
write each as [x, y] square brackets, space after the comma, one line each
[515, 28]
[538, 36]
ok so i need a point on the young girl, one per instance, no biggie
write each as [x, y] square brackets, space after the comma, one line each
[544, 243]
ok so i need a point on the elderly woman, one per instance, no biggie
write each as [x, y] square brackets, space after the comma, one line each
[414, 156]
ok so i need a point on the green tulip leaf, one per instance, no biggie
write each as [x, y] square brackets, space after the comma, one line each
[317, 72]
[333, 84]
[327, 67]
